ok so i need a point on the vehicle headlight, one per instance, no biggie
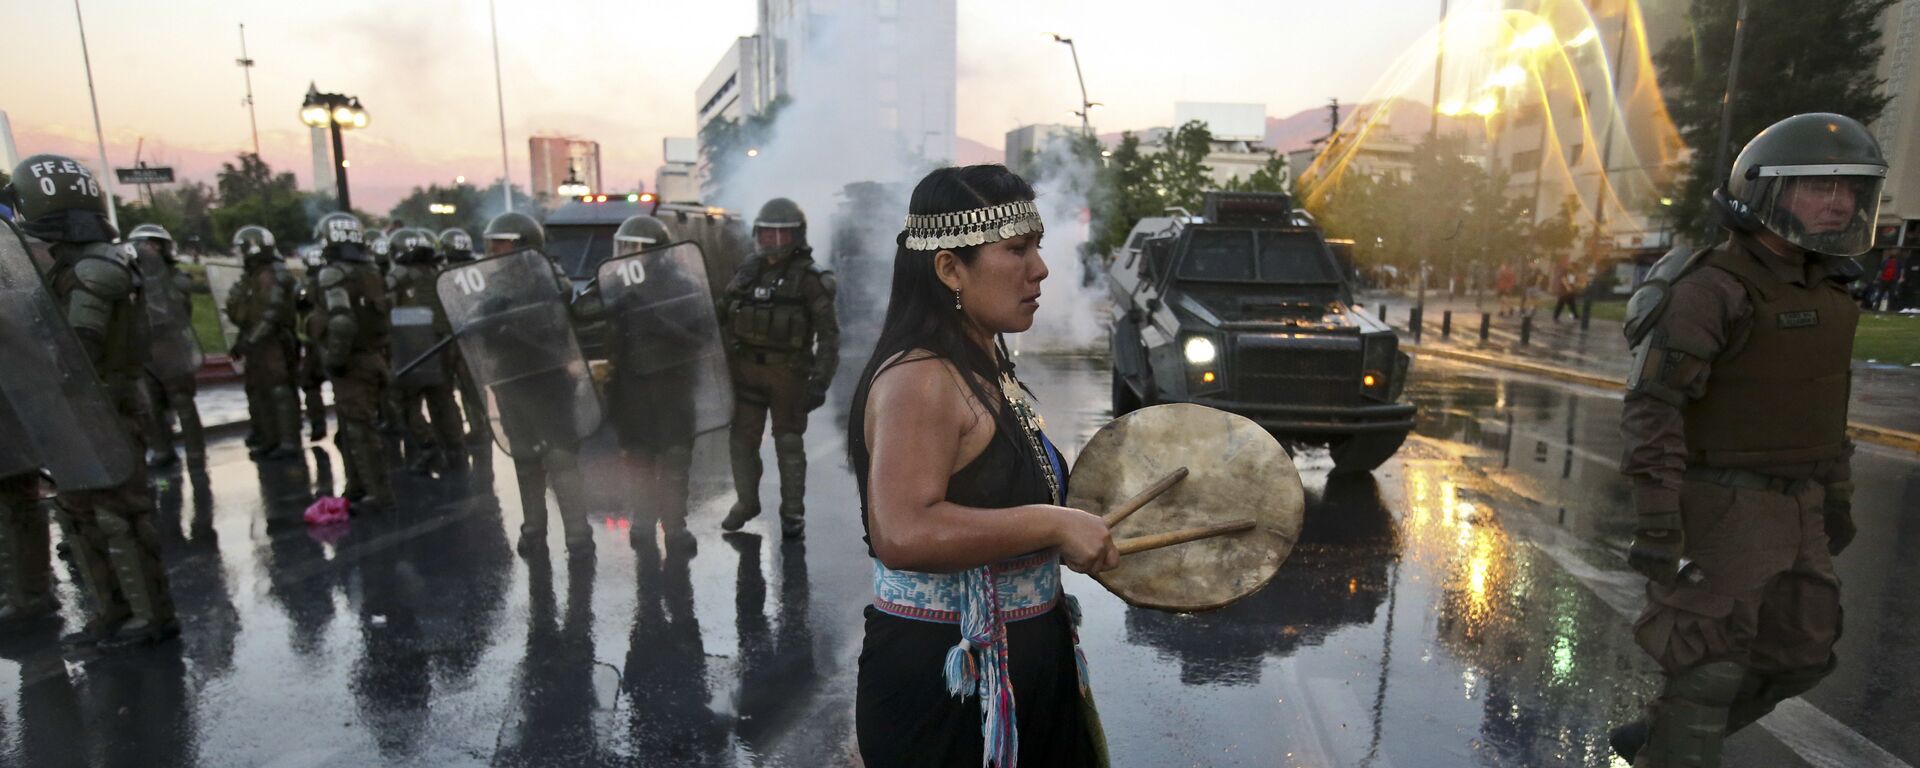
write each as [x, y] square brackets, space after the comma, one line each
[1200, 350]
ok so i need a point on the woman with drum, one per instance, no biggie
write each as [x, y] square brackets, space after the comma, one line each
[962, 499]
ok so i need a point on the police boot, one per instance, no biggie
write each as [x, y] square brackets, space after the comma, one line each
[746, 483]
[26, 573]
[370, 451]
[1627, 740]
[316, 415]
[1687, 725]
[355, 487]
[791, 453]
[132, 546]
[569, 488]
[191, 433]
[161, 458]
[532, 475]
[286, 423]
[87, 546]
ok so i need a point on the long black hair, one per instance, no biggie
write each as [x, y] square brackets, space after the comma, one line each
[920, 313]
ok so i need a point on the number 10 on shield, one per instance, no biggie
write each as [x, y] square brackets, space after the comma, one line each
[470, 281]
[631, 273]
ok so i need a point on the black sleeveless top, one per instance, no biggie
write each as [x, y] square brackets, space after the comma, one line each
[1004, 475]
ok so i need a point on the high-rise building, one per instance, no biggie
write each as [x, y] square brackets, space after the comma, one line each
[1896, 128]
[322, 139]
[885, 69]
[555, 158]
[674, 181]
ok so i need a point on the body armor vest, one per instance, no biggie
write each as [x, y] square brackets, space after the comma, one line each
[769, 311]
[414, 286]
[264, 286]
[124, 334]
[367, 290]
[1782, 397]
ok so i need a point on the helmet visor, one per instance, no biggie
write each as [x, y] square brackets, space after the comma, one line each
[1826, 209]
[628, 245]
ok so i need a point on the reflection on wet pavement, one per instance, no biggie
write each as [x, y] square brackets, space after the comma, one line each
[1461, 606]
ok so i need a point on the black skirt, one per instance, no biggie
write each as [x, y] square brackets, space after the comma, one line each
[905, 717]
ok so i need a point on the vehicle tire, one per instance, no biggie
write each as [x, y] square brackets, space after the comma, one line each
[1124, 400]
[1356, 454]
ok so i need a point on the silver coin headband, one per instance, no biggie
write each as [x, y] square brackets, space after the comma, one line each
[961, 229]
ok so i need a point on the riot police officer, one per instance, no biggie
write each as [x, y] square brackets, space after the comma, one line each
[779, 319]
[262, 307]
[309, 375]
[110, 531]
[1735, 425]
[353, 352]
[552, 452]
[456, 247]
[174, 357]
[410, 283]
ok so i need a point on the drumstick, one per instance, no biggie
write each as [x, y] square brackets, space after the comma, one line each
[1170, 538]
[1141, 499]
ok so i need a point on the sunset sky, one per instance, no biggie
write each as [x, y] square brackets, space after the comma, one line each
[622, 73]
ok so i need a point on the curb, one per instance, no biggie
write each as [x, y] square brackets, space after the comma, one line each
[1866, 433]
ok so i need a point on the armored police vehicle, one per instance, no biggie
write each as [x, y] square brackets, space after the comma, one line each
[1245, 308]
[580, 237]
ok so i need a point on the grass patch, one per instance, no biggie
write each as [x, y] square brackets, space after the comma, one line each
[206, 324]
[1888, 338]
[1882, 337]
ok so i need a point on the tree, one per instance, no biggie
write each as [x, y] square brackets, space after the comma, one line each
[1797, 57]
[1275, 176]
[252, 194]
[186, 211]
[472, 207]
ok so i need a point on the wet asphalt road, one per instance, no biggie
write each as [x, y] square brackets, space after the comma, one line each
[1463, 606]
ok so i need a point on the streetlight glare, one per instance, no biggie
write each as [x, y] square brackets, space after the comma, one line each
[346, 163]
[753, 153]
[1485, 106]
[343, 115]
[1452, 107]
[1510, 76]
[1537, 36]
[1587, 35]
[459, 179]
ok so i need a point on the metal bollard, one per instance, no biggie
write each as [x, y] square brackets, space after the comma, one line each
[1526, 330]
[1414, 318]
[1446, 324]
[1486, 325]
[1382, 313]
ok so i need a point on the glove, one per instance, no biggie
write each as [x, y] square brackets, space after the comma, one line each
[1839, 509]
[239, 352]
[1657, 546]
[816, 397]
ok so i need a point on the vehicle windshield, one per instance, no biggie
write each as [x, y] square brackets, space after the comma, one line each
[579, 250]
[1231, 255]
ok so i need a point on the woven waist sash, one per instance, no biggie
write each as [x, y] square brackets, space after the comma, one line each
[1027, 587]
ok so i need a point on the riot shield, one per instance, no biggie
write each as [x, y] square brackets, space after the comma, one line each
[670, 365]
[173, 349]
[510, 317]
[16, 457]
[411, 334]
[66, 420]
[222, 277]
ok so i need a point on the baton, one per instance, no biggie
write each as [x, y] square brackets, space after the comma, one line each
[431, 351]
[1143, 498]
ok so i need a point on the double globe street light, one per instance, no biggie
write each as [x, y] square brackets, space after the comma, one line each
[335, 112]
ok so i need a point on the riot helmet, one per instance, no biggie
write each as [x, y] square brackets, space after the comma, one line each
[313, 256]
[639, 233]
[455, 245]
[57, 199]
[512, 231]
[152, 236]
[411, 245]
[254, 243]
[341, 237]
[381, 246]
[1812, 179]
[781, 228]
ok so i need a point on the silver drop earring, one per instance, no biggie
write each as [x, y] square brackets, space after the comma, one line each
[956, 298]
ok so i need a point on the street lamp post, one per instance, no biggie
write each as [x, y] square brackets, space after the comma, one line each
[1086, 106]
[336, 112]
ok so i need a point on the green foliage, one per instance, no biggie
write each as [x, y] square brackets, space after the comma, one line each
[251, 193]
[1448, 211]
[1272, 177]
[726, 142]
[185, 210]
[1141, 183]
[1797, 57]
[473, 206]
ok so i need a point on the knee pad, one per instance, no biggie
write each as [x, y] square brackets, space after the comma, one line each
[1715, 684]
